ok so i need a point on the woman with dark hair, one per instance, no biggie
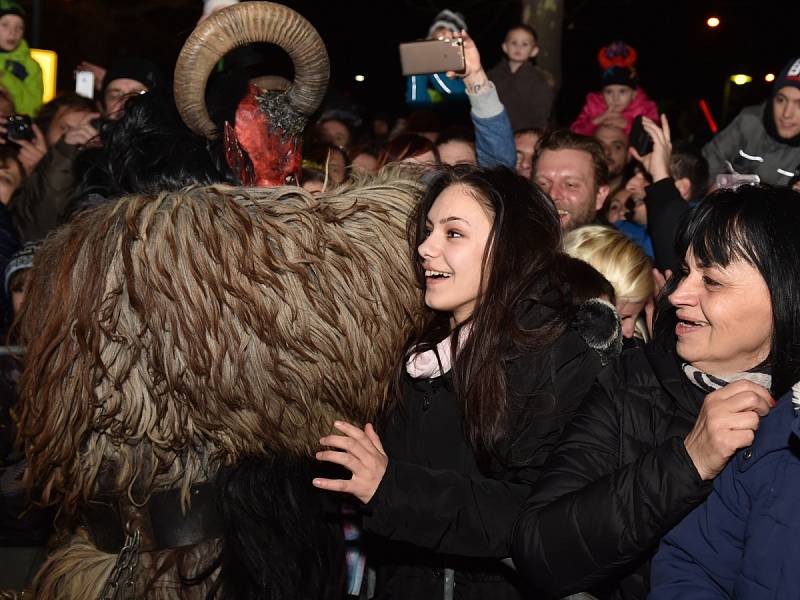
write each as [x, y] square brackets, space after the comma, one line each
[482, 391]
[648, 441]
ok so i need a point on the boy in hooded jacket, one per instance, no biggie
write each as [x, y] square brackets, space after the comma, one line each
[20, 74]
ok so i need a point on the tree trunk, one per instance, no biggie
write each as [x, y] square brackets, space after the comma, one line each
[546, 17]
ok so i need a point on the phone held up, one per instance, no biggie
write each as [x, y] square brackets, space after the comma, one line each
[432, 56]
[639, 138]
[84, 84]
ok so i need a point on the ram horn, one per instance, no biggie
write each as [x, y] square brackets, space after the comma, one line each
[246, 23]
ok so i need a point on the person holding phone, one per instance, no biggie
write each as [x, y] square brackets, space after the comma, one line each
[436, 88]
[668, 183]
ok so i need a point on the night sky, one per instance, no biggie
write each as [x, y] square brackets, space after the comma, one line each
[680, 59]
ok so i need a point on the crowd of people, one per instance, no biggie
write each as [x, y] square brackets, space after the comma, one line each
[590, 346]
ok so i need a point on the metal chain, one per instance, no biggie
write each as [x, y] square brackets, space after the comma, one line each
[124, 570]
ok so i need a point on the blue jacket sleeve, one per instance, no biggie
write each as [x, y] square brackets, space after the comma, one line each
[494, 138]
[494, 141]
[701, 557]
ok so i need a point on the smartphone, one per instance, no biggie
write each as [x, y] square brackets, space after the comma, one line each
[84, 84]
[432, 56]
[639, 138]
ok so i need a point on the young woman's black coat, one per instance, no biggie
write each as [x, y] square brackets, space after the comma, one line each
[441, 509]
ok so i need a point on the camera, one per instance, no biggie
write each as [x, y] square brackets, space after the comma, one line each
[19, 127]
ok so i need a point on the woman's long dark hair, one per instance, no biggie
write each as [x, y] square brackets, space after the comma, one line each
[518, 269]
[759, 225]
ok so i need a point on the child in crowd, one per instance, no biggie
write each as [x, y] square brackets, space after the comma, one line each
[621, 99]
[16, 274]
[523, 88]
[435, 88]
[20, 75]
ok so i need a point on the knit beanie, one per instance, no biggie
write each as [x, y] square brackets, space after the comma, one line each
[789, 76]
[618, 61]
[138, 69]
[448, 19]
[22, 259]
[9, 7]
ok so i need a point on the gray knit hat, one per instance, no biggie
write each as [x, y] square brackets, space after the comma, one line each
[454, 21]
[21, 259]
[789, 76]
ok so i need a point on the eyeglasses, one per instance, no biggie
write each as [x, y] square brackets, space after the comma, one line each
[114, 95]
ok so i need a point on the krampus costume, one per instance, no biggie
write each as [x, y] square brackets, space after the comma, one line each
[187, 350]
[211, 334]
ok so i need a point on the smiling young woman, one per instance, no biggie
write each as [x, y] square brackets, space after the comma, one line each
[482, 391]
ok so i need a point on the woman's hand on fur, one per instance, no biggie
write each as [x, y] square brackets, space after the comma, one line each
[359, 451]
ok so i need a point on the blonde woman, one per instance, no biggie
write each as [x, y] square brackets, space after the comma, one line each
[623, 263]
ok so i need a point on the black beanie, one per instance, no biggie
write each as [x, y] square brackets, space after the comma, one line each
[789, 76]
[9, 7]
[138, 69]
[620, 76]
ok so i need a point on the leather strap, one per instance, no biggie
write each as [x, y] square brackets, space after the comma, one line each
[160, 521]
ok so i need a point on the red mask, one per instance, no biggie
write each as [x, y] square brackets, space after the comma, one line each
[264, 148]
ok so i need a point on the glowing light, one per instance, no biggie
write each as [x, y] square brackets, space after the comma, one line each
[740, 79]
[48, 60]
[712, 22]
[769, 77]
[360, 78]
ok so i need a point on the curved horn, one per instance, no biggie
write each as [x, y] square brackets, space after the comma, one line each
[241, 24]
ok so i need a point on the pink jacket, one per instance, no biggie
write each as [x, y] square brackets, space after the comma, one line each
[596, 106]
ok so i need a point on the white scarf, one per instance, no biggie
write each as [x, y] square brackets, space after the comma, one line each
[436, 361]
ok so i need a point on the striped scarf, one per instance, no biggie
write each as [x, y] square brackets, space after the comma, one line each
[709, 383]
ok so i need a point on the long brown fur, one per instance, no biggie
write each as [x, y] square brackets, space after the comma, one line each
[174, 333]
[79, 571]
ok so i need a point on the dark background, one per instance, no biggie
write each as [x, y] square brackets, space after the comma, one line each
[680, 59]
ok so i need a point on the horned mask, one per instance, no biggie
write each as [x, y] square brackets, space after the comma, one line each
[263, 145]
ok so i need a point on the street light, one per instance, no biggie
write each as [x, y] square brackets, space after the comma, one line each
[769, 77]
[712, 22]
[360, 78]
[738, 79]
